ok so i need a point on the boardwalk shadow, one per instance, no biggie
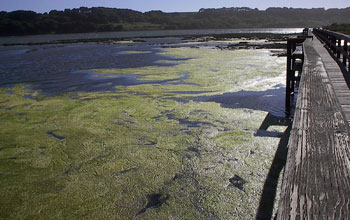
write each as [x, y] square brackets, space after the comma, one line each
[270, 100]
[267, 199]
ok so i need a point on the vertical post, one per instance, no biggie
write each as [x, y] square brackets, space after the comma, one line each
[294, 47]
[338, 47]
[292, 71]
[348, 53]
[292, 81]
[333, 45]
[289, 66]
[329, 40]
[345, 48]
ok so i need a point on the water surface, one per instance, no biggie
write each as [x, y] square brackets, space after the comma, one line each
[135, 34]
[163, 128]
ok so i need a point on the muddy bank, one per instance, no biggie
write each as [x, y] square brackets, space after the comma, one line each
[199, 37]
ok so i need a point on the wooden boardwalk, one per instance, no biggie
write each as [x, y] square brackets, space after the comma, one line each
[316, 182]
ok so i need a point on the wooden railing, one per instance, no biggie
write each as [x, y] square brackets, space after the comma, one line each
[295, 60]
[337, 44]
[317, 172]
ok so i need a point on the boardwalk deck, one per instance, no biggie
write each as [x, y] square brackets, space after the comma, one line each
[316, 183]
[336, 77]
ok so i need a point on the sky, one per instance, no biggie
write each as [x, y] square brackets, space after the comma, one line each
[164, 5]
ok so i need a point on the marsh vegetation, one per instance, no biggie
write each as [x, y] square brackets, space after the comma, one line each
[172, 134]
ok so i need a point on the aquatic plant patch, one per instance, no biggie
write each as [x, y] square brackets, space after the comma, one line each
[145, 151]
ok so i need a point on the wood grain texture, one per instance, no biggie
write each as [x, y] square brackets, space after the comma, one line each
[316, 182]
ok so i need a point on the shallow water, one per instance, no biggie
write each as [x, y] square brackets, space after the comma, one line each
[54, 69]
[137, 130]
[135, 34]
[60, 68]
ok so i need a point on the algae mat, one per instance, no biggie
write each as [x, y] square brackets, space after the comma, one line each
[147, 150]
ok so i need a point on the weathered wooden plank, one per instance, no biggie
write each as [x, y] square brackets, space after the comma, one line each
[336, 77]
[316, 183]
[347, 114]
[345, 107]
[340, 78]
[342, 93]
[344, 99]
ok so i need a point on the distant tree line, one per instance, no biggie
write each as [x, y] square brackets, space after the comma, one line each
[342, 28]
[100, 19]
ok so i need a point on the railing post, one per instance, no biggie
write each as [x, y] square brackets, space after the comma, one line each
[333, 42]
[338, 48]
[348, 53]
[345, 48]
[288, 72]
[293, 66]
[329, 42]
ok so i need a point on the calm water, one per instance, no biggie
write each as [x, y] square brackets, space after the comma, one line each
[65, 67]
[133, 34]
[59, 68]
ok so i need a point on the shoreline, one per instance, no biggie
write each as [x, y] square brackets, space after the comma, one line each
[271, 41]
[110, 36]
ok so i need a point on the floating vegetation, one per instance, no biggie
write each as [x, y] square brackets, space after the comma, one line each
[135, 52]
[235, 70]
[145, 151]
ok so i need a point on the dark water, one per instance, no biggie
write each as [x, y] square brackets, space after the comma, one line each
[63, 67]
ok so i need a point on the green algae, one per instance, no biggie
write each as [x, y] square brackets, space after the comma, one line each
[136, 52]
[121, 147]
[232, 138]
[103, 140]
[125, 42]
[212, 69]
[169, 61]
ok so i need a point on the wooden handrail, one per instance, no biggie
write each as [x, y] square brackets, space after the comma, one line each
[295, 59]
[338, 44]
[317, 172]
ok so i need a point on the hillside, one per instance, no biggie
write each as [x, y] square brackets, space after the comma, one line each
[342, 28]
[100, 19]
